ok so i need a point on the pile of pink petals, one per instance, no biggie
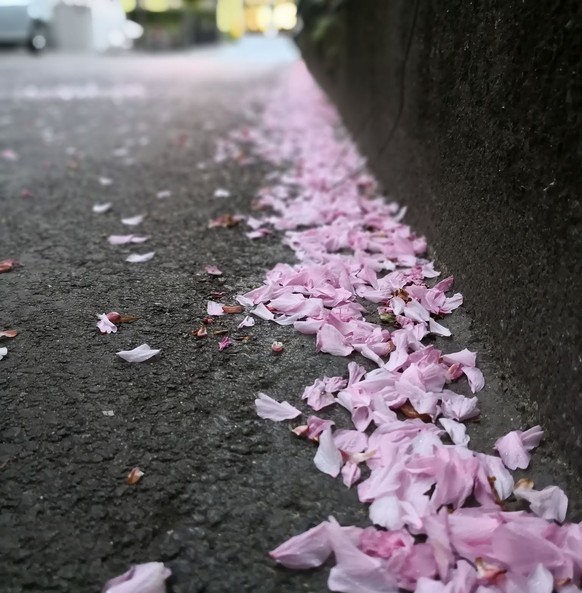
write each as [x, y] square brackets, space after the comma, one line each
[437, 507]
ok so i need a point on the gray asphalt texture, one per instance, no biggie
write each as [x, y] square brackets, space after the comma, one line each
[221, 486]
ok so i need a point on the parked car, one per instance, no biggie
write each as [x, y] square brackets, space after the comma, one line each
[26, 22]
[72, 25]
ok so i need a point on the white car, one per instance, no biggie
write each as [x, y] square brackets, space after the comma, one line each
[26, 22]
[71, 25]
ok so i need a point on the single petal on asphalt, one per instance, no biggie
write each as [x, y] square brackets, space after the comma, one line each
[133, 220]
[164, 193]
[248, 321]
[137, 258]
[270, 409]
[3, 352]
[9, 155]
[213, 271]
[141, 578]
[102, 208]
[213, 308]
[134, 476]
[225, 343]
[221, 193]
[328, 459]
[307, 550]
[8, 333]
[105, 326]
[125, 239]
[105, 181]
[139, 354]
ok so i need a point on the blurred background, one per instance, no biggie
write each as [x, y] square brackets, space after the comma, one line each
[151, 25]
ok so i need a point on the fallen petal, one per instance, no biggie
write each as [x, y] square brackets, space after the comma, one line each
[213, 271]
[270, 409]
[221, 193]
[139, 354]
[102, 208]
[214, 308]
[202, 332]
[164, 193]
[141, 578]
[8, 265]
[137, 258]
[133, 220]
[551, 503]
[3, 352]
[125, 239]
[307, 550]
[225, 343]
[8, 333]
[226, 221]
[9, 155]
[105, 326]
[248, 321]
[328, 459]
[134, 476]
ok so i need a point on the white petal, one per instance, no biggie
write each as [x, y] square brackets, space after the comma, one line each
[139, 354]
[101, 208]
[133, 220]
[136, 258]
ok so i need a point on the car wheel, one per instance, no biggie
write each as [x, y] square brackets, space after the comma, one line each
[38, 39]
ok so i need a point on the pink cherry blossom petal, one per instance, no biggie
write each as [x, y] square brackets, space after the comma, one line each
[225, 343]
[270, 409]
[105, 326]
[213, 271]
[141, 578]
[307, 550]
[214, 309]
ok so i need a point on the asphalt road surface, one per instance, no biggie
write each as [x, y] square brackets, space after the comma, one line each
[221, 486]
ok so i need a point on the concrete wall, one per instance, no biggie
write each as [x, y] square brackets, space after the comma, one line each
[487, 154]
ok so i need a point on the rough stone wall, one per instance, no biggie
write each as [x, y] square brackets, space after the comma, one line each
[470, 112]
